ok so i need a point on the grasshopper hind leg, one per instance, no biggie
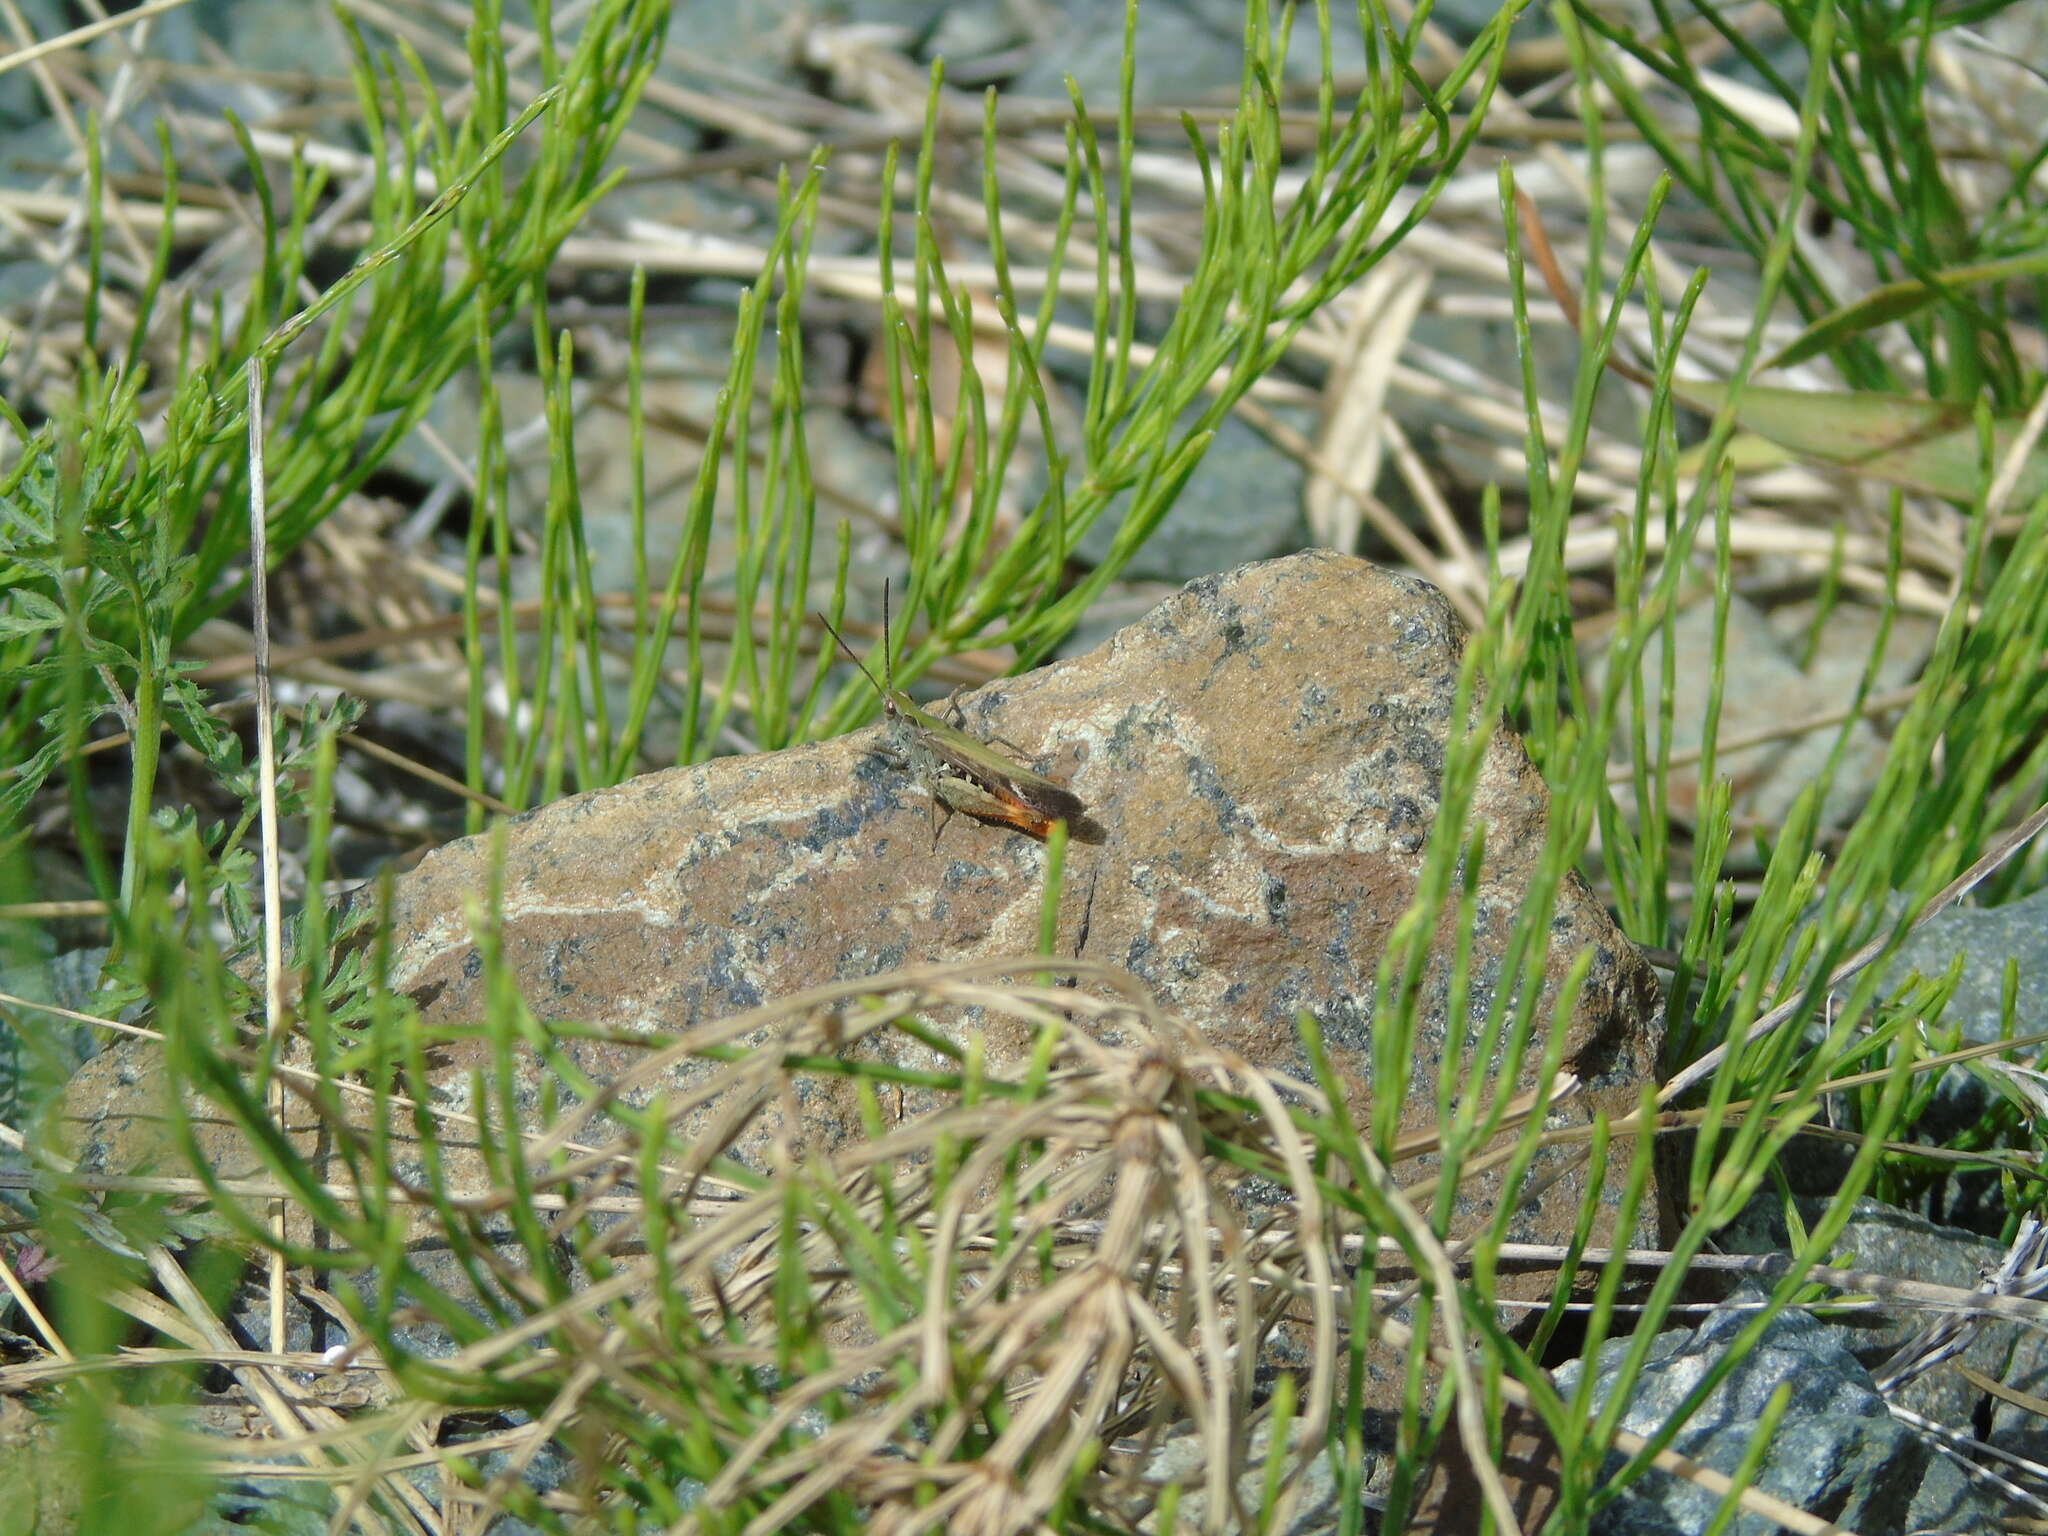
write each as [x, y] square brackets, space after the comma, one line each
[959, 723]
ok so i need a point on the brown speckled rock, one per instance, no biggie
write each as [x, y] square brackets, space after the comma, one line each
[1262, 754]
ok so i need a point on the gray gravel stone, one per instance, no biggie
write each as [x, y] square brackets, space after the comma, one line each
[1837, 1453]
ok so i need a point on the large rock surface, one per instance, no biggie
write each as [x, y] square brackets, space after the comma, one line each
[1262, 754]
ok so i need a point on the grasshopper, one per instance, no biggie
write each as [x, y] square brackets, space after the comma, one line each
[961, 773]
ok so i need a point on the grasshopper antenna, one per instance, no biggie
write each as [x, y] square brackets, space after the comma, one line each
[888, 660]
[888, 701]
